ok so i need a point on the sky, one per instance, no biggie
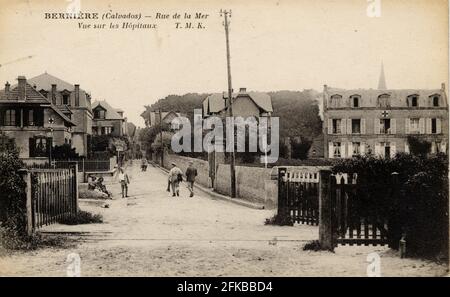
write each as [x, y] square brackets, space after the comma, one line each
[275, 45]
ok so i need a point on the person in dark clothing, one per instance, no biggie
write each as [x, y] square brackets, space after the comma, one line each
[191, 173]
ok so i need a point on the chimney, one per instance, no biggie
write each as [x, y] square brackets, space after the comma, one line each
[77, 95]
[242, 90]
[443, 87]
[7, 89]
[53, 94]
[21, 88]
[325, 88]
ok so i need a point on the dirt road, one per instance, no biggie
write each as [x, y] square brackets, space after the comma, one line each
[154, 234]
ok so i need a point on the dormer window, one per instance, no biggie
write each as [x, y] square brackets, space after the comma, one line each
[335, 100]
[435, 99]
[384, 100]
[66, 99]
[99, 113]
[355, 101]
[412, 101]
[44, 93]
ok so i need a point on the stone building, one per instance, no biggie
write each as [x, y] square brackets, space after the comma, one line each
[380, 121]
[73, 101]
[108, 120]
[29, 119]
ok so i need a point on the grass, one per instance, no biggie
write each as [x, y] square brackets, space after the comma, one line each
[313, 245]
[82, 217]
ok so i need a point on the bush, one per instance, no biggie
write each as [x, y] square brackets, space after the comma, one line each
[82, 217]
[12, 187]
[313, 245]
[279, 220]
[420, 193]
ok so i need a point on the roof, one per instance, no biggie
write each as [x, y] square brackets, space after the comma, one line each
[372, 94]
[369, 97]
[44, 81]
[111, 113]
[32, 96]
[215, 103]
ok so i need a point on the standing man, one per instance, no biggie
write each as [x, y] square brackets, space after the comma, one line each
[191, 173]
[175, 177]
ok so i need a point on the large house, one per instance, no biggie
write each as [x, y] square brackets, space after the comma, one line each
[73, 101]
[30, 119]
[153, 118]
[245, 104]
[108, 120]
[380, 121]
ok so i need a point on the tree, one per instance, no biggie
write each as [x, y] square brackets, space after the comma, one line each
[64, 152]
[418, 147]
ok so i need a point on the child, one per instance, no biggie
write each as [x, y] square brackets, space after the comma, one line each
[124, 181]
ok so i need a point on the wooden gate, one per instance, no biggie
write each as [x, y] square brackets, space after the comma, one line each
[53, 195]
[298, 195]
[356, 217]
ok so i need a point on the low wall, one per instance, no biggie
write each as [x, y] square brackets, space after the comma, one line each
[250, 183]
[253, 184]
[183, 162]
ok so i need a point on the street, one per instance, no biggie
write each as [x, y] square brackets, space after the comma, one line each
[153, 234]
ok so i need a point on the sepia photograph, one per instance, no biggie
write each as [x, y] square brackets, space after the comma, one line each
[224, 139]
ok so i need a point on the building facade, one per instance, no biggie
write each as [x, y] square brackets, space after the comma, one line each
[379, 122]
[108, 120]
[31, 121]
[73, 101]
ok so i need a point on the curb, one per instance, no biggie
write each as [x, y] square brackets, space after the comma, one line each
[216, 195]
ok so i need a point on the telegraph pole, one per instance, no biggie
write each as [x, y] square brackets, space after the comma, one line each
[160, 135]
[229, 101]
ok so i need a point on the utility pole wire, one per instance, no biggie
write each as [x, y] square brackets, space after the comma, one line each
[16, 60]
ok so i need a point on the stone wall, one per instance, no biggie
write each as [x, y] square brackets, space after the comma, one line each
[183, 162]
[250, 183]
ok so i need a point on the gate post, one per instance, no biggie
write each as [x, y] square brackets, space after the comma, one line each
[281, 211]
[75, 183]
[325, 212]
[26, 175]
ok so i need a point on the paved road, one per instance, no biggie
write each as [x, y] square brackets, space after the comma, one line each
[154, 234]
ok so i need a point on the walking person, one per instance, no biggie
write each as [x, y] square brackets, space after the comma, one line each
[175, 177]
[191, 173]
[124, 181]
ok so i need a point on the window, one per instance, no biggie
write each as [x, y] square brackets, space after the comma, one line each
[356, 126]
[39, 147]
[384, 101]
[10, 117]
[433, 126]
[335, 101]
[336, 126]
[356, 148]
[94, 130]
[66, 99]
[336, 149]
[355, 100]
[436, 101]
[99, 114]
[438, 146]
[385, 126]
[414, 126]
[103, 131]
[31, 117]
[413, 100]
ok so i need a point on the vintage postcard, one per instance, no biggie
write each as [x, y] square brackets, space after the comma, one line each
[224, 138]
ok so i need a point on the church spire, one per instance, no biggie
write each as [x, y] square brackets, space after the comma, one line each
[382, 80]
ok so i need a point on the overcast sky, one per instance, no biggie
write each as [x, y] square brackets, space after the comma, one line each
[275, 45]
